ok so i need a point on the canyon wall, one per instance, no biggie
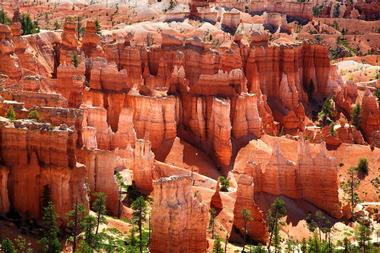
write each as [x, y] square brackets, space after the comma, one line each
[179, 218]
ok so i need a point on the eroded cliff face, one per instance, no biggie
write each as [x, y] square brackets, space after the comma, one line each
[301, 178]
[38, 156]
[179, 218]
[256, 227]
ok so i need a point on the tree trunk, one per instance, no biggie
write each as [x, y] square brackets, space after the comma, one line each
[271, 233]
[225, 244]
[140, 232]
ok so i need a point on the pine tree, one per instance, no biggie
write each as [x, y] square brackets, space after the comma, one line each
[350, 187]
[50, 242]
[363, 234]
[325, 116]
[217, 248]
[33, 114]
[246, 218]
[355, 116]
[7, 246]
[99, 206]
[4, 19]
[88, 225]
[224, 184]
[212, 221]
[75, 59]
[98, 27]
[363, 166]
[275, 213]
[29, 26]
[139, 207]
[11, 115]
[74, 218]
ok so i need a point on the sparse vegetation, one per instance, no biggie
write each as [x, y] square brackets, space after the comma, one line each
[355, 116]
[28, 25]
[11, 114]
[33, 114]
[224, 184]
[363, 166]
[4, 19]
[326, 115]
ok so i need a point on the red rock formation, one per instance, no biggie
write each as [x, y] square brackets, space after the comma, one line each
[4, 198]
[38, 155]
[9, 65]
[179, 218]
[370, 115]
[91, 41]
[301, 179]
[256, 227]
[216, 201]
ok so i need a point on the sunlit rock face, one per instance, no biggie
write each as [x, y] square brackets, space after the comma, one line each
[179, 218]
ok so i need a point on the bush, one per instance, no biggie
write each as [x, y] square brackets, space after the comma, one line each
[11, 115]
[363, 166]
[224, 184]
[28, 25]
[33, 114]
[75, 59]
[355, 116]
[4, 18]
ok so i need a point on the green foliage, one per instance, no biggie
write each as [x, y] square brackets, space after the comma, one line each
[212, 221]
[75, 59]
[224, 184]
[98, 27]
[28, 25]
[49, 241]
[140, 210]
[363, 166]
[259, 249]
[74, 218]
[4, 19]
[99, 206]
[363, 233]
[326, 115]
[90, 240]
[275, 213]
[33, 114]
[217, 248]
[355, 116]
[7, 246]
[350, 187]
[317, 9]
[11, 114]
[57, 25]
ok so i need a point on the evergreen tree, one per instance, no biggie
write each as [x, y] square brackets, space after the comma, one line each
[123, 189]
[98, 27]
[4, 19]
[246, 218]
[33, 114]
[140, 209]
[217, 245]
[259, 249]
[7, 246]
[355, 116]
[28, 25]
[99, 206]
[224, 184]
[88, 225]
[57, 25]
[350, 187]
[212, 221]
[377, 91]
[275, 213]
[325, 116]
[50, 242]
[363, 234]
[11, 115]
[363, 166]
[74, 218]
[75, 59]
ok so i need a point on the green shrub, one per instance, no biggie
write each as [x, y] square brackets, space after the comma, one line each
[363, 166]
[224, 184]
[11, 114]
[33, 114]
[28, 25]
